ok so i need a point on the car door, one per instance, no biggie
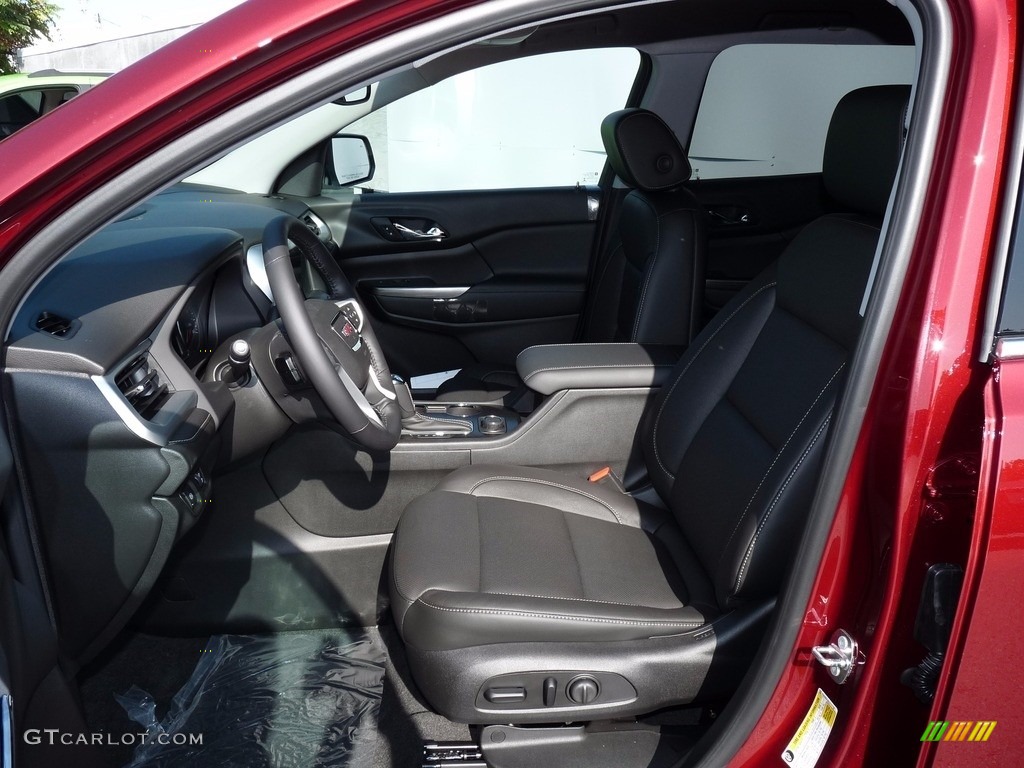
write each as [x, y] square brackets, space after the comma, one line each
[474, 237]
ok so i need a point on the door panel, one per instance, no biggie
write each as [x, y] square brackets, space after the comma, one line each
[453, 278]
[750, 223]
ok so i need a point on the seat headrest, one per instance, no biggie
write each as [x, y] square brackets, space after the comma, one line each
[862, 149]
[643, 151]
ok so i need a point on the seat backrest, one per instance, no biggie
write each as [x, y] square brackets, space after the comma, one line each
[650, 278]
[734, 444]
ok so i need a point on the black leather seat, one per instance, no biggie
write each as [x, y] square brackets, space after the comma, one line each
[649, 283]
[505, 578]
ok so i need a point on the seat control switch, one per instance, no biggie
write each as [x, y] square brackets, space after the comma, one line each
[583, 690]
[505, 695]
[550, 691]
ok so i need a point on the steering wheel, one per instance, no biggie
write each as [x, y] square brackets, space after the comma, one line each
[332, 338]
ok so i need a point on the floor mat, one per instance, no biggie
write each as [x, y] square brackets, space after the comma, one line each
[299, 699]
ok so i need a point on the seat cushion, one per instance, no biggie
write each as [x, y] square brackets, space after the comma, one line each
[506, 554]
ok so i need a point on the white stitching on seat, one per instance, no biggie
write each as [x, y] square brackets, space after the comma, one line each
[778, 455]
[750, 548]
[549, 483]
[668, 395]
[564, 617]
[583, 600]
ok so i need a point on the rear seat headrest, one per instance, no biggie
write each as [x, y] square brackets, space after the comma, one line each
[643, 151]
[862, 149]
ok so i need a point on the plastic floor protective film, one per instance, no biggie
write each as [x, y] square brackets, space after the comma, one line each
[294, 699]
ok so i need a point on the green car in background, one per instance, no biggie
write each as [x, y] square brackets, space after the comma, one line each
[25, 97]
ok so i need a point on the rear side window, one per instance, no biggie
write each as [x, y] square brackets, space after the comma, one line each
[766, 108]
[530, 122]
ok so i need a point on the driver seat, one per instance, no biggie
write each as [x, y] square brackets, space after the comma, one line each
[527, 595]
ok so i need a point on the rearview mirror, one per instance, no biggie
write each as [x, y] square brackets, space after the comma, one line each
[349, 161]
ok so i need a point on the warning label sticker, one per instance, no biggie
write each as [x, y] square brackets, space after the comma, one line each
[805, 747]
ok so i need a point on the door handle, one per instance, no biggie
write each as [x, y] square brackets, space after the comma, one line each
[434, 233]
[405, 230]
[729, 215]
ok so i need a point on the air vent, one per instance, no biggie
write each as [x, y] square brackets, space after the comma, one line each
[317, 226]
[311, 225]
[141, 386]
[54, 324]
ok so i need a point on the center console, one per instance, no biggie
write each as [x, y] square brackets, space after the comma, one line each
[441, 420]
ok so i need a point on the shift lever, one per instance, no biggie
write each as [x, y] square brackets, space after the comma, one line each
[414, 423]
[403, 396]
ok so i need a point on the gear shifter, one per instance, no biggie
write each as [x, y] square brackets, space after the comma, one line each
[416, 423]
[403, 396]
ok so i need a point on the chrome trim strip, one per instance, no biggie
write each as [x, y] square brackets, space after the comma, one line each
[170, 416]
[258, 270]
[421, 292]
[1009, 348]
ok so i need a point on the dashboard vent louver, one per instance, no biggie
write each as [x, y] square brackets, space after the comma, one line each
[141, 386]
[53, 324]
[311, 225]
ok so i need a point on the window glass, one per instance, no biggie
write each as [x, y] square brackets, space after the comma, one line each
[532, 122]
[766, 108]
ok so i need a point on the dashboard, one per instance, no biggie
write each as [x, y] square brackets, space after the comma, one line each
[106, 367]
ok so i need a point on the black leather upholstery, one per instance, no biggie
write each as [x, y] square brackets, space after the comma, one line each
[549, 368]
[643, 151]
[650, 279]
[511, 554]
[863, 144]
[502, 559]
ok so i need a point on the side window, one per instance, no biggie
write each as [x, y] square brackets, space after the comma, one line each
[18, 110]
[766, 108]
[531, 122]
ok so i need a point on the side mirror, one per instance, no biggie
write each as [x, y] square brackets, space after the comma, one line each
[358, 96]
[349, 161]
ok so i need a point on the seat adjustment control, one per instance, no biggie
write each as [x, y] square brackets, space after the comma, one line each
[505, 695]
[583, 690]
[550, 691]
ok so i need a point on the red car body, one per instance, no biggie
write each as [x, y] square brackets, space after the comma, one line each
[933, 402]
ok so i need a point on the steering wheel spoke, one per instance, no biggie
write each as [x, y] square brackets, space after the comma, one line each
[332, 338]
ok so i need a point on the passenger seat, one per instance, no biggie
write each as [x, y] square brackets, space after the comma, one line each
[650, 279]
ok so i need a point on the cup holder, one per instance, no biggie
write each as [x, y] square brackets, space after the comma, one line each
[463, 410]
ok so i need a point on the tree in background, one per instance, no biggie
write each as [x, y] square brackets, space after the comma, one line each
[21, 22]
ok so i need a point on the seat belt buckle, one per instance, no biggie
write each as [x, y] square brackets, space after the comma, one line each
[605, 476]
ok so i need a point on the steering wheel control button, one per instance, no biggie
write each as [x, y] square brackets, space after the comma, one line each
[510, 695]
[583, 690]
[492, 425]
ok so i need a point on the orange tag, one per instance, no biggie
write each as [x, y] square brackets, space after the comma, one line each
[600, 475]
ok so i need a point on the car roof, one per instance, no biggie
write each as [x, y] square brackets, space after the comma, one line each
[50, 77]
